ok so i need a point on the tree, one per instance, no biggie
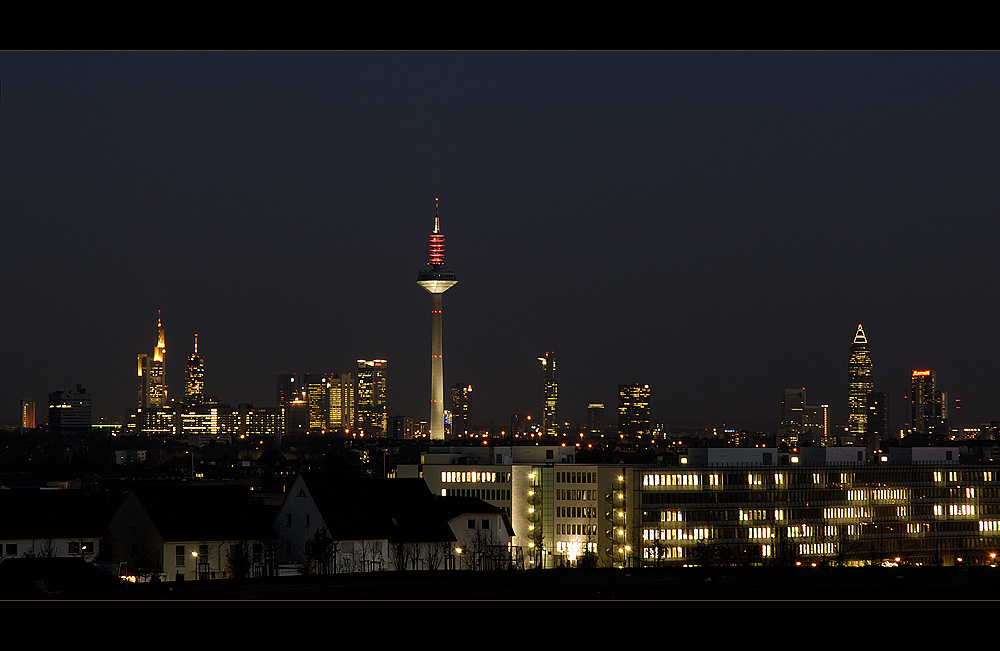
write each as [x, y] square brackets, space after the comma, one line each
[239, 559]
[404, 555]
[318, 553]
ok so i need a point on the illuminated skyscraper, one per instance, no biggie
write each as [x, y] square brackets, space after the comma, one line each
[436, 278]
[370, 412]
[928, 407]
[550, 414]
[859, 371]
[318, 397]
[595, 417]
[152, 374]
[341, 401]
[28, 414]
[194, 377]
[460, 408]
[633, 410]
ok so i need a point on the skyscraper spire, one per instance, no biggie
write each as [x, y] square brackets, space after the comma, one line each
[859, 336]
[436, 279]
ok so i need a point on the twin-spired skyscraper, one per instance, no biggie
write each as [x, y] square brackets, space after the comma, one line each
[436, 278]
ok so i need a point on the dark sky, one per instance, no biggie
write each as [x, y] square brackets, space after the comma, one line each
[713, 224]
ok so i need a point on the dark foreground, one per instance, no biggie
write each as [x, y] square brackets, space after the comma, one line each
[681, 584]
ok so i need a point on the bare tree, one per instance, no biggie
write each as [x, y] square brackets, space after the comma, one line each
[436, 553]
[318, 553]
[239, 559]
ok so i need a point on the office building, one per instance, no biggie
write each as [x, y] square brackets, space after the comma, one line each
[288, 388]
[27, 414]
[550, 389]
[152, 373]
[69, 411]
[878, 420]
[436, 278]
[318, 396]
[804, 424]
[860, 384]
[460, 394]
[194, 377]
[595, 418]
[341, 391]
[928, 408]
[370, 415]
[633, 410]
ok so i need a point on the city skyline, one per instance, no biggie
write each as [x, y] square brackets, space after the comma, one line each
[708, 223]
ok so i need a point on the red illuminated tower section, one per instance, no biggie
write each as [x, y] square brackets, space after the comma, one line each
[436, 278]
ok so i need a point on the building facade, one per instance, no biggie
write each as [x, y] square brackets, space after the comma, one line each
[928, 408]
[633, 410]
[70, 411]
[194, 377]
[550, 390]
[370, 413]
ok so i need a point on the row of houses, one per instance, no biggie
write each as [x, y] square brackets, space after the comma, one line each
[327, 522]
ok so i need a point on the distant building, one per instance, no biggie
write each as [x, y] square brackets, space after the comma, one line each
[194, 377]
[928, 408]
[318, 396]
[288, 388]
[859, 371]
[152, 374]
[70, 411]
[341, 389]
[595, 418]
[370, 413]
[550, 387]
[28, 414]
[878, 420]
[633, 410]
[460, 394]
[803, 424]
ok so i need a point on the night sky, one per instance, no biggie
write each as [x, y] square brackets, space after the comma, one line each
[713, 224]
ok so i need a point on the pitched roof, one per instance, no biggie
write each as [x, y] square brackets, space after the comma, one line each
[41, 514]
[204, 513]
[451, 507]
[358, 508]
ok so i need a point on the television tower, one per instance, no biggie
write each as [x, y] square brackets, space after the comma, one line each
[436, 279]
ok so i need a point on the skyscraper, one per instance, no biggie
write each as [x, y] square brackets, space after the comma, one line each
[633, 410]
[341, 401]
[859, 385]
[460, 408]
[194, 377]
[436, 279]
[550, 414]
[27, 414]
[318, 396]
[369, 408]
[595, 417]
[69, 411]
[928, 407]
[152, 373]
